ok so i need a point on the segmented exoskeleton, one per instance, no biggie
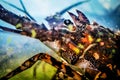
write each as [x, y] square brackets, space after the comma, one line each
[92, 48]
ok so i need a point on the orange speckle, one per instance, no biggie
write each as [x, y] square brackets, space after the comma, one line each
[84, 40]
[87, 39]
[88, 27]
[110, 66]
[118, 72]
[102, 43]
[74, 48]
[63, 49]
[103, 75]
[96, 55]
[47, 59]
[97, 76]
[63, 68]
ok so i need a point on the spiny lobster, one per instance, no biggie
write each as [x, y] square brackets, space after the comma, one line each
[91, 48]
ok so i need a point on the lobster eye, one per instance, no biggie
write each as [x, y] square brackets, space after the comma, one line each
[67, 22]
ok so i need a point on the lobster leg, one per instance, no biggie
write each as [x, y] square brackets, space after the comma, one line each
[64, 76]
[47, 58]
[14, 31]
[16, 20]
[60, 76]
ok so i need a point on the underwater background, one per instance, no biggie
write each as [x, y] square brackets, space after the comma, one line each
[15, 48]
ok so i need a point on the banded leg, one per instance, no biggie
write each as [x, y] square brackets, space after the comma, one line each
[14, 30]
[63, 76]
[47, 58]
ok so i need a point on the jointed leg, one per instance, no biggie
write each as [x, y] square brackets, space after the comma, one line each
[47, 58]
[9, 29]
[13, 30]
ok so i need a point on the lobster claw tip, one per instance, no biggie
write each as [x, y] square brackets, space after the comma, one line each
[78, 11]
[74, 17]
[82, 17]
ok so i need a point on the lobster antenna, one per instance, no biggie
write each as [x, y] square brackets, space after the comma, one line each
[22, 10]
[25, 10]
